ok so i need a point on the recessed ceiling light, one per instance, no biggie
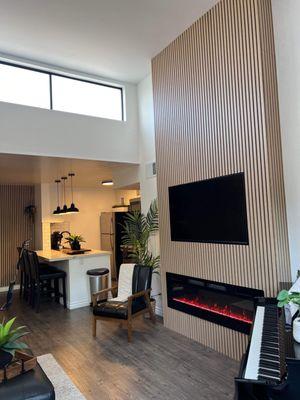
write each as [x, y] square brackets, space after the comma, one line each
[108, 182]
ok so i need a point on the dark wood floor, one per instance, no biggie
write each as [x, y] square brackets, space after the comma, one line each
[158, 364]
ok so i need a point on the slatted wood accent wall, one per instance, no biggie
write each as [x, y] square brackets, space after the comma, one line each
[15, 227]
[216, 113]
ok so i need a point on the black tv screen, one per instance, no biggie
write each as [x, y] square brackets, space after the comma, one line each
[210, 211]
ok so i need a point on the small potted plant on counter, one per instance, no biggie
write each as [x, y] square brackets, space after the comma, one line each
[74, 241]
[9, 341]
[284, 298]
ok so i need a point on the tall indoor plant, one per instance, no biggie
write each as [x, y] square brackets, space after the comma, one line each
[138, 228]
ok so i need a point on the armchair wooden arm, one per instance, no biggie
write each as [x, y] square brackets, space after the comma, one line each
[145, 293]
[97, 294]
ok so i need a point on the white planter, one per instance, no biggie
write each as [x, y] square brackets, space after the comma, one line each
[156, 293]
[296, 330]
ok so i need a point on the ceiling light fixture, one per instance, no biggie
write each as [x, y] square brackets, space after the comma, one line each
[107, 182]
[58, 209]
[72, 209]
[65, 208]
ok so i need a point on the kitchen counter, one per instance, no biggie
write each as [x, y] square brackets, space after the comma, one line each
[76, 267]
[55, 255]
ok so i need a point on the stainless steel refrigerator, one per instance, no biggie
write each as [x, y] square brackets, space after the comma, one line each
[111, 238]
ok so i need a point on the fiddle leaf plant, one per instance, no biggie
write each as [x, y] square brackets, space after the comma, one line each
[9, 337]
[137, 231]
[284, 297]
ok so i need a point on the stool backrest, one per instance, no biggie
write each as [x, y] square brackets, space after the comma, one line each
[25, 262]
[20, 264]
[33, 264]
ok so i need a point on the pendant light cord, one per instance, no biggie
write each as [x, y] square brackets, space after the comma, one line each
[64, 181]
[71, 174]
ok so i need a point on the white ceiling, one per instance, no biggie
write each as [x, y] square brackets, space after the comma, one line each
[110, 38]
[28, 170]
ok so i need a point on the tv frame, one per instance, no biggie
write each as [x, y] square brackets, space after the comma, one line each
[246, 243]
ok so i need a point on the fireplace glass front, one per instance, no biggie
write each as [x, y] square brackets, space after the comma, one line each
[228, 305]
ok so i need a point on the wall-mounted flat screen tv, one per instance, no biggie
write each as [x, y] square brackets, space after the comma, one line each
[210, 211]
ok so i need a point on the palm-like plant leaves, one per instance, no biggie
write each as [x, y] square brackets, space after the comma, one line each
[9, 337]
[137, 230]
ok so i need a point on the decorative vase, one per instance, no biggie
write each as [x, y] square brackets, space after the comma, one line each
[5, 358]
[296, 329]
[75, 245]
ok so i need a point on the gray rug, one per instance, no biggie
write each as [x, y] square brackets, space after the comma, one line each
[63, 386]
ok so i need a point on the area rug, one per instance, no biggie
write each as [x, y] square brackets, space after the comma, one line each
[63, 386]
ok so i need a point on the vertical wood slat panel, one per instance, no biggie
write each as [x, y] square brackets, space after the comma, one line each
[15, 227]
[216, 113]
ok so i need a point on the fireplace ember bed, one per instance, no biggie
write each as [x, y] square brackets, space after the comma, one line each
[228, 305]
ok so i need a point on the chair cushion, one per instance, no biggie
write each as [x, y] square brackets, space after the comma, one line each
[118, 309]
[33, 385]
[49, 272]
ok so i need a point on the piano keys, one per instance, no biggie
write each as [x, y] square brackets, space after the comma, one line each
[268, 369]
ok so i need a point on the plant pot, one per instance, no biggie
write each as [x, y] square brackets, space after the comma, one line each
[296, 329]
[75, 245]
[153, 306]
[5, 359]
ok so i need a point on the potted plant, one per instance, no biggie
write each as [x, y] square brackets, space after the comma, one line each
[285, 297]
[74, 241]
[9, 341]
[137, 231]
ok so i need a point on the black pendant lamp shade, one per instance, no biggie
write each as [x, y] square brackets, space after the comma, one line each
[65, 208]
[57, 211]
[73, 208]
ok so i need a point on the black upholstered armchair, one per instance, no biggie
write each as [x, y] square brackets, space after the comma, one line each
[133, 297]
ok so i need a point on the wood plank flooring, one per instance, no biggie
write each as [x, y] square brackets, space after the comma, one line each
[159, 364]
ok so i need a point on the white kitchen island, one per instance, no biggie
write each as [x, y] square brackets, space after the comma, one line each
[76, 267]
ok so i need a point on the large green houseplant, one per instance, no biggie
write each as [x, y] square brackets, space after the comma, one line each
[138, 229]
[9, 341]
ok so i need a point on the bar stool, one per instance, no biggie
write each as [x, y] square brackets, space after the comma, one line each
[41, 278]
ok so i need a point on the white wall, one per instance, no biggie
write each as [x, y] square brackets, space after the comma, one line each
[148, 186]
[146, 141]
[287, 43]
[36, 131]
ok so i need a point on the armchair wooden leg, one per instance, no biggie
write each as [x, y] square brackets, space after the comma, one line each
[94, 326]
[129, 330]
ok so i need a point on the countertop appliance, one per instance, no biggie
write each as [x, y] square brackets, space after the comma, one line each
[111, 238]
[56, 238]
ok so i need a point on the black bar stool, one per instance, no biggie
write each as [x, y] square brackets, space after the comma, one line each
[41, 278]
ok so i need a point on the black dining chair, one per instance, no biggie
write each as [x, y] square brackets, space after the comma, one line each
[44, 281]
[21, 267]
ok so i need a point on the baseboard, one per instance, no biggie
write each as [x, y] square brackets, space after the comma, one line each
[5, 288]
[77, 304]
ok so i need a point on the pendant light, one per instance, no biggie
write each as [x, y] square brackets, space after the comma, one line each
[65, 208]
[72, 209]
[58, 209]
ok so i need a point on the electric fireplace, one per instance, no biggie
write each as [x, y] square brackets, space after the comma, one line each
[228, 305]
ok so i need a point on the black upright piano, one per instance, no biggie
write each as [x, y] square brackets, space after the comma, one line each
[270, 368]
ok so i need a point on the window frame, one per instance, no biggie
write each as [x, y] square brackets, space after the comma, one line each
[71, 76]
